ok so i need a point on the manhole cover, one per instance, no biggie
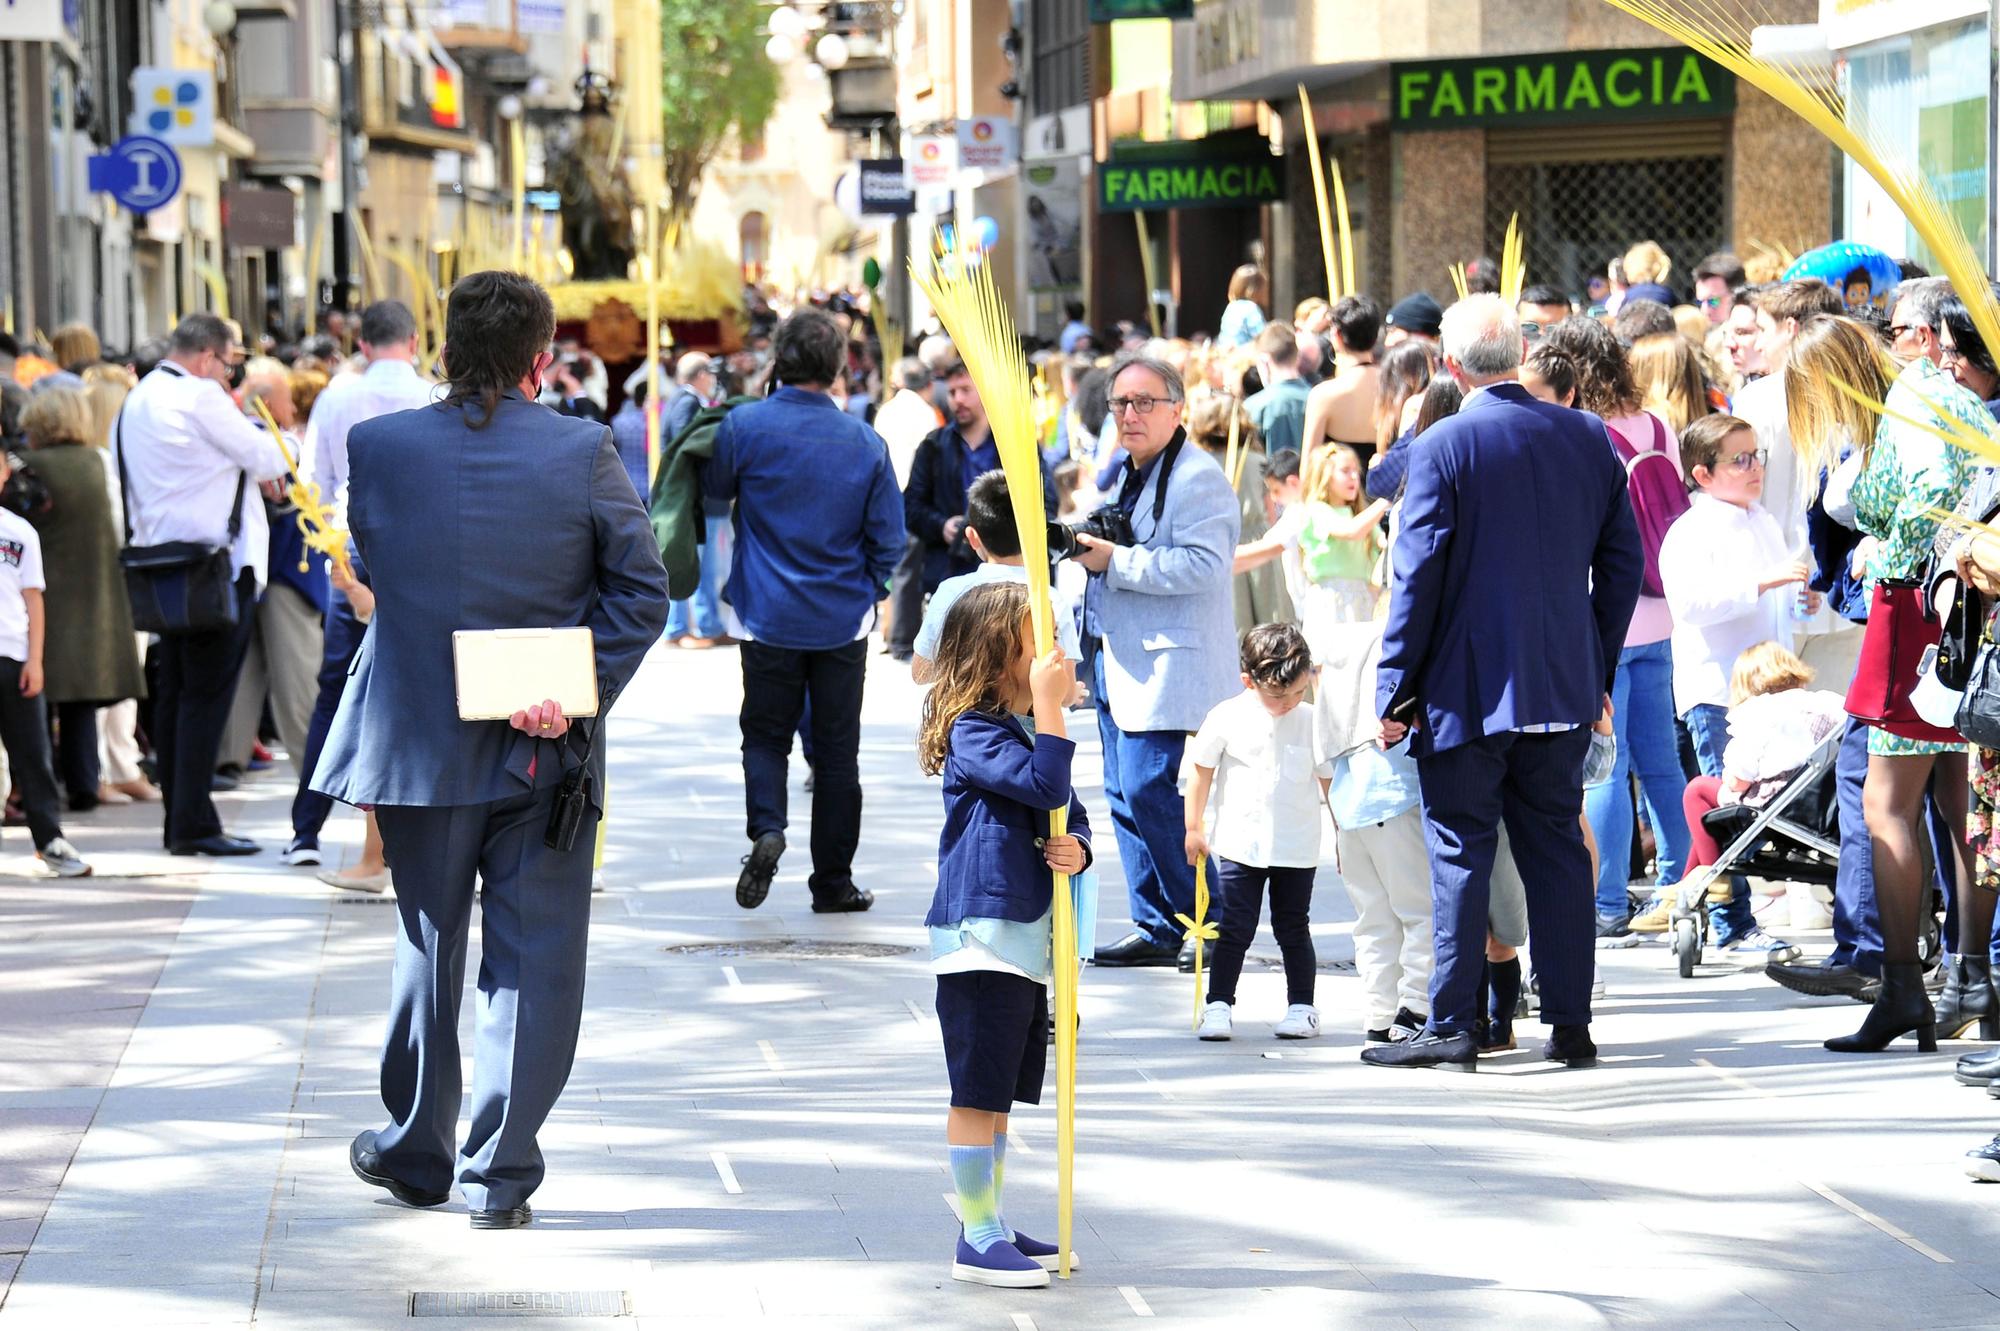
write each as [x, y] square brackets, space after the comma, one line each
[521, 1303]
[808, 949]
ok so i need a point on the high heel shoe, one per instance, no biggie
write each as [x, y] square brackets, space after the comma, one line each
[1967, 998]
[1902, 1007]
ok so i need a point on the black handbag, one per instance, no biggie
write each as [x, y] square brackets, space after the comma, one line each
[1979, 712]
[1959, 642]
[180, 586]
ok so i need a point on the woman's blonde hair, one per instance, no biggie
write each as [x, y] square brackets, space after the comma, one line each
[1830, 349]
[1668, 375]
[74, 344]
[1647, 262]
[57, 416]
[982, 638]
[106, 386]
[1767, 668]
[306, 386]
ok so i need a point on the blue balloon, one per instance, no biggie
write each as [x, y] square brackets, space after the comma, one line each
[1834, 264]
[988, 232]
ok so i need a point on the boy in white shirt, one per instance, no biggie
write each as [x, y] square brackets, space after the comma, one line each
[24, 716]
[1257, 753]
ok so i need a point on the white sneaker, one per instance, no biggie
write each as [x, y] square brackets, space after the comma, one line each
[299, 855]
[1215, 1022]
[1758, 948]
[1301, 1023]
[61, 857]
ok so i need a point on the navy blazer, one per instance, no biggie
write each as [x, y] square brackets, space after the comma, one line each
[936, 493]
[528, 522]
[1517, 567]
[998, 791]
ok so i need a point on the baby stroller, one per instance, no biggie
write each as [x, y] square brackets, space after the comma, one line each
[1794, 838]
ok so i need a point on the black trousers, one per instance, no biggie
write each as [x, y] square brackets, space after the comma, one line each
[197, 685]
[24, 730]
[76, 750]
[777, 682]
[1241, 887]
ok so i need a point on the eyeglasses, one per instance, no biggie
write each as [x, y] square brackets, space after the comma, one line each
[1143, 405]
[1896, 331]
[1950, 355]
[1747, 461]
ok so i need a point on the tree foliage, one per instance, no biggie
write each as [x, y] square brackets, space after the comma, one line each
[714, 80]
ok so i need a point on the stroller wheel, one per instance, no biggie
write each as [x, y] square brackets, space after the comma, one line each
[1687, 946]
[1930, 939]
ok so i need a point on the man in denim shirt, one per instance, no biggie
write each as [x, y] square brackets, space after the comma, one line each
[819, 528]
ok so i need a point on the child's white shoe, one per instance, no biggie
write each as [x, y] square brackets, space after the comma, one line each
[1215, 1022]
[1301, 1023]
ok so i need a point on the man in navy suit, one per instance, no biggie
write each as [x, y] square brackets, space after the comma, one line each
[486, 510]
[1516, 570]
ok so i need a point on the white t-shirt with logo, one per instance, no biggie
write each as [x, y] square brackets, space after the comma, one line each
[20, 569]
[1267, 800]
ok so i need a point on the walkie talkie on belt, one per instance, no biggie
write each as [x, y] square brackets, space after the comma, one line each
[573, 799]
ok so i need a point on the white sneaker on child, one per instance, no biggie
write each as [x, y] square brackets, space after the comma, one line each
[1301, 1023]
[62, 859]
[1215, 1022]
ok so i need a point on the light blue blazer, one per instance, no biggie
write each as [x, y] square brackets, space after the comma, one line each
[1166, 610]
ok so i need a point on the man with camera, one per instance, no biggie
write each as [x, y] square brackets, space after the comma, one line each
[1159, 641]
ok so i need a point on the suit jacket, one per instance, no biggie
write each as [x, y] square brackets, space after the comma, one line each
[998, 791]
[1166, 611]
[1517, 566]
[935, 493]
[529, 522]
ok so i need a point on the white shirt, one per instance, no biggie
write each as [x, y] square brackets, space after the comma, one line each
[903, 421]
[385, 386]
[1710, 563]
[20, 569]
[1286, 529]
[1266, 799]
[186, 448]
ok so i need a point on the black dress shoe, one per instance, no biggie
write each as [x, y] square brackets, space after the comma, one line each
[847, 902]
[367, 1167]
[754, 883]
[1825, 979]
[1408, 1025]
[512, 1217]
[1570, 1045]
[219, 844]
[1184, 959]
[1379, 1035]
[1135, 949]
[1447, 1053]
[1980, 1069]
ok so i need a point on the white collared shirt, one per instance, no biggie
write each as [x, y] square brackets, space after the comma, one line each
[385, 386]
[186, 447]
[1267, 768]
[1710, 563]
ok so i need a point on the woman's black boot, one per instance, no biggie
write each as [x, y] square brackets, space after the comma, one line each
[1903, 1007]
[1967, 998]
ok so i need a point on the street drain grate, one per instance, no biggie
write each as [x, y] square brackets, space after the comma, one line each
[809, 949]
[521, 1303]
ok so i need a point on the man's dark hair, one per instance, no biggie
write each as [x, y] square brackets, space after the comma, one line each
[1642, 318]
[8, 346]
[1723, 265]
[1358, 320]
[809, 349]
[385, 323]
[1282, 465]
[495, 325]
[1544, 294]
[1073, 308]
[1275, 655]
[201, 332]
[1747, 293]
[989, 510]
[956, 370]
[1965, 335]
[1554, 366]
[1482, 277]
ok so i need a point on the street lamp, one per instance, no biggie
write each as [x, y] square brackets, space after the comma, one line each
[219, 17]
[831, 51]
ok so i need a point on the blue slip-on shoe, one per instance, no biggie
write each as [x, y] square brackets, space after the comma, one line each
[1046, 1253]
[1002, 1266]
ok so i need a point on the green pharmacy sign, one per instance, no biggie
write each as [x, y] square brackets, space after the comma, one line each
[1145, 185]
[1565, 88]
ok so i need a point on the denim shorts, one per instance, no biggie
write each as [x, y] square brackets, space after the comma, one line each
[996, 1038]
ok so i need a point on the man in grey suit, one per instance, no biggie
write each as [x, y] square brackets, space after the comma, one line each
[1159, 629]
[483, 511]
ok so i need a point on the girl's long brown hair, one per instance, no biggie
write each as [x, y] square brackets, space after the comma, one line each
[980, 643]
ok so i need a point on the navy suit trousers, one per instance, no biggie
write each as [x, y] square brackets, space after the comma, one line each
[1534, 783]
[534, 933]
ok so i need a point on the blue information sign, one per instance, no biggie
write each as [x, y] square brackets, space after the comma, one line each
[140, 172]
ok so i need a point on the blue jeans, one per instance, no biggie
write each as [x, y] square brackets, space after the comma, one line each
[1708, 726]
[706, 601]
[1642, 701]
[1142, 786]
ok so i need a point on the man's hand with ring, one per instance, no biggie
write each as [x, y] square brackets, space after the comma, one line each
[1093, 552]
[545, 720]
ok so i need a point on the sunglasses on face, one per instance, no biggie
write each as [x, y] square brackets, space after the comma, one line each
[1713, 302]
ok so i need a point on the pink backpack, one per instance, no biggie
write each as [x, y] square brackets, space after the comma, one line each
[1658, 494]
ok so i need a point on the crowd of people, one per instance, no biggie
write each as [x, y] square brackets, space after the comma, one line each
[1520, 592]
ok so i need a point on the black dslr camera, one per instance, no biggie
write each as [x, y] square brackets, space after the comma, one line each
[1106, 524]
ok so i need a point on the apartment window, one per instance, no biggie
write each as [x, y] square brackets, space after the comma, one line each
[1060, 74]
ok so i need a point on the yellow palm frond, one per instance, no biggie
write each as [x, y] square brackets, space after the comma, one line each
[1311, 127]
[1514, 262]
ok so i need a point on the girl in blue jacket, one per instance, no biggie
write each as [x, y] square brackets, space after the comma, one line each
[993, 725]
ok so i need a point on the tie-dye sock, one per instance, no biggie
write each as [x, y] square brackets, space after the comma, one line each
[999, 1175]
[973, 1174]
